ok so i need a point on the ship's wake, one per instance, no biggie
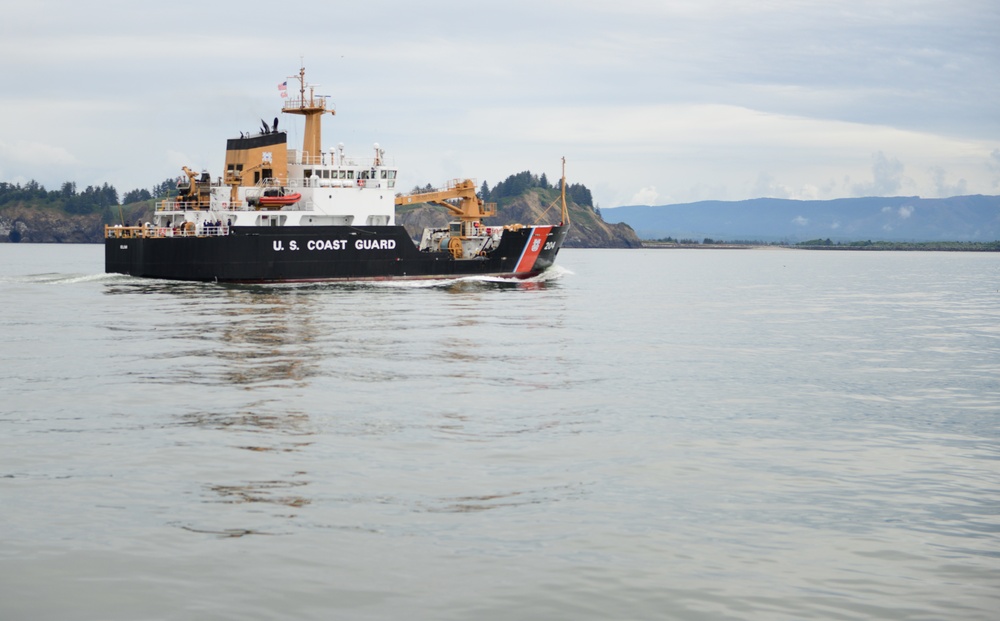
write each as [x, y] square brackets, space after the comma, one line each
[550, 275]
[58, 278]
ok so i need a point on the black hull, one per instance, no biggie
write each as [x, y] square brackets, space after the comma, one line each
[323, 253]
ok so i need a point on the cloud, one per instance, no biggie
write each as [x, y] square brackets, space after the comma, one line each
[887, 177]
[807, 193]
[799, 220]
[767, 187]
[645, 196]
[993, 165]
[903, 212]
[945, 189]
[35, 154]
[25, 160]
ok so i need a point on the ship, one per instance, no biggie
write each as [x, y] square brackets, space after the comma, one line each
[279, 214]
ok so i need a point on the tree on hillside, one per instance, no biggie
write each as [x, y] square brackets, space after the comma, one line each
[136, 196]
[165, 189]
[31, 192]
[516, 185]
[92, 199]
[579, 194]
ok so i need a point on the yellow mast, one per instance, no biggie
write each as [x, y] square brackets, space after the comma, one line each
[312, 108]
[565, 208]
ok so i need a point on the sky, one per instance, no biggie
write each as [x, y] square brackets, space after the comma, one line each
[650, 102]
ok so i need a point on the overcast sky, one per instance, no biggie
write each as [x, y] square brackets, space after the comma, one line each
[650, 101]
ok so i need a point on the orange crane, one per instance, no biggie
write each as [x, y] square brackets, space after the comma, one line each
[468, 208]
[459, 198]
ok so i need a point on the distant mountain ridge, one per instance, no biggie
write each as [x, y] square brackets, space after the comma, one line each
[896, 218]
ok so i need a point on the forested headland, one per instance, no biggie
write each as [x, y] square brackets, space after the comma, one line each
[32, 213]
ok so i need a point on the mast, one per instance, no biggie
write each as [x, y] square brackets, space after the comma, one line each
[312, 108]
[565, 208]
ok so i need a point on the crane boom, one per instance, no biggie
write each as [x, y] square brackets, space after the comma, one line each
[469, 208]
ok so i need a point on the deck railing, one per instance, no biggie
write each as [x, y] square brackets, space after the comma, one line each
[145, 232]
[183, 206]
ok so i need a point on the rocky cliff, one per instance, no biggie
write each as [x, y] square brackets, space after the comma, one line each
[38, 225]
[588, 230]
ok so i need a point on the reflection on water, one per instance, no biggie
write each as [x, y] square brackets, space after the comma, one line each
[229, 532]
[252, 337]
[210, 340]
[286, 423]
[272, 492]
[500, 500]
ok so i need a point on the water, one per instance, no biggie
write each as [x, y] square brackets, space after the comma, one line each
[650, 434]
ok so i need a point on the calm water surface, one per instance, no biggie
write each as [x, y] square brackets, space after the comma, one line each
[649, 434]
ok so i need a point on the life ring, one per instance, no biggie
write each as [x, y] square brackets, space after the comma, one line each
[361, 183]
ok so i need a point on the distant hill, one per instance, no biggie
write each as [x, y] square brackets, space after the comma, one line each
[897, 218]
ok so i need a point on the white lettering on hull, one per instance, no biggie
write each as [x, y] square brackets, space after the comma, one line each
[375, 244]
[336, 244]
[326, 244]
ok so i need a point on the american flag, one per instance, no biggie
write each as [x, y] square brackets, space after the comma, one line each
[283, 89]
